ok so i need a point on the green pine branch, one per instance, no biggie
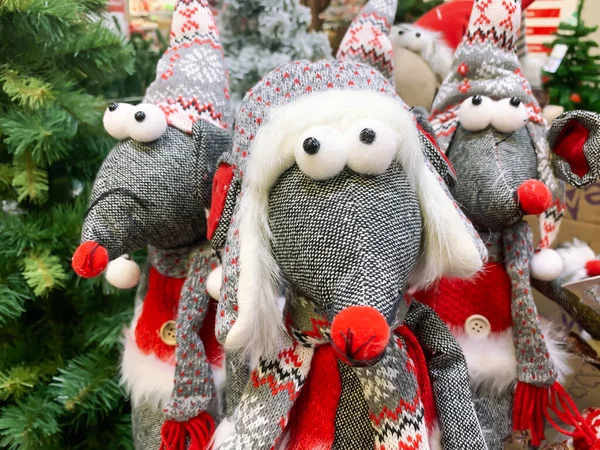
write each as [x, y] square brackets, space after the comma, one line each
[30, 424]
[88, 387]
[43, 272]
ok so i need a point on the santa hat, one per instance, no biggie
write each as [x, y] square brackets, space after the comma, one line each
[437, 34]
[237, 222]
[191, 79]
[486, 63]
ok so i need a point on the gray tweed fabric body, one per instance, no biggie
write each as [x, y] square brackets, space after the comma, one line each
[494, 411]
[155, 193]
[492, 166]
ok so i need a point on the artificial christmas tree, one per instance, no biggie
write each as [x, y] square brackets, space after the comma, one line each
[259, 35]
[59, 337]
[576, 82]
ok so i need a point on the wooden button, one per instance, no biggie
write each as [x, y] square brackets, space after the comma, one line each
[167, 333]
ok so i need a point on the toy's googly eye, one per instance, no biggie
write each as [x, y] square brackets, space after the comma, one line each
[372, 146]
[146, 123]
[475, 113]
[115, 120]
[320, 153]
[510, 114]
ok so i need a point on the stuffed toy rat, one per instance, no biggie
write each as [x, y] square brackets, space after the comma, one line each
[426, 49]
[331, 191]
[489, 125]
[153, 190]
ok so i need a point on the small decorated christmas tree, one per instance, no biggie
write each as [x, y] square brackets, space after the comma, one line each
[576, 82]
[259, 35]
[59, 336]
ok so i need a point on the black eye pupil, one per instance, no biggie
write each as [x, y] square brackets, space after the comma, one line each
[367, 136]
[400, 32]
[418, 34]
[311, 145]
[515, 102]
[477, 100]
[140, 116]
[112, 107]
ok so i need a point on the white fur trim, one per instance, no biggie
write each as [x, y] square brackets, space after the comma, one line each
[546, 265]
[435, 439]
[213, 282]
[123, 273]
[429, 44]
[225, 429]
[147, 379]
[574, 256]
[492, 360]
[448, 247]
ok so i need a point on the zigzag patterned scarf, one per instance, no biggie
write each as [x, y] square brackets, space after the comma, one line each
[389, 389]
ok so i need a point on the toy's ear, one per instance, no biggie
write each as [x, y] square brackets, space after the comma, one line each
[210, 142]
[225, 190]
[434, 153]
[574, 138]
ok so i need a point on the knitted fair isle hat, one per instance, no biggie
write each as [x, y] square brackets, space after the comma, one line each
[486, 64]
[367, 41]
[191, 82]
[249, 316]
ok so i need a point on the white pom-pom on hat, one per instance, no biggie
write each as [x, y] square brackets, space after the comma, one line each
[123, 273]
[115, 119]
[213, 282]
[146, 123]
[546, 265]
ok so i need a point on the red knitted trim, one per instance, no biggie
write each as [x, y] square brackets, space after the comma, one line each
[569, 146]
[312, 418]
[160, 306]
[220, 187]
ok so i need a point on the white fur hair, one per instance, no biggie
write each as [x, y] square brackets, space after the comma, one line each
[448, 248]
[575, 255]
[148, 380]
[430, 45]
[492, 360]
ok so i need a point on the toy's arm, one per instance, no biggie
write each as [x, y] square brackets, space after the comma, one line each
[586, 316]
[449, 378]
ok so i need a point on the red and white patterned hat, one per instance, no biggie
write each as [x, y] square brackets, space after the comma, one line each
[191, 79]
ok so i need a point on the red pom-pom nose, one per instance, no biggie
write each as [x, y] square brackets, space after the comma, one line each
[534, 197]
[593, 268]
[360, 334]
[89, 260]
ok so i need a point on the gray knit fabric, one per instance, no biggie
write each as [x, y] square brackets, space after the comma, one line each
[494, 411]
[533, 364]
[191, 79]
[146, 423]
[486, 63]
[449, 379]
[155, 193]
[194, 391]
[366, 40]
[591, 147]
[491, 166]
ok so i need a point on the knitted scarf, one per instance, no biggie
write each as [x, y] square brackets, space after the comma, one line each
[187, 419]
[537, 391]
[389, 388]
